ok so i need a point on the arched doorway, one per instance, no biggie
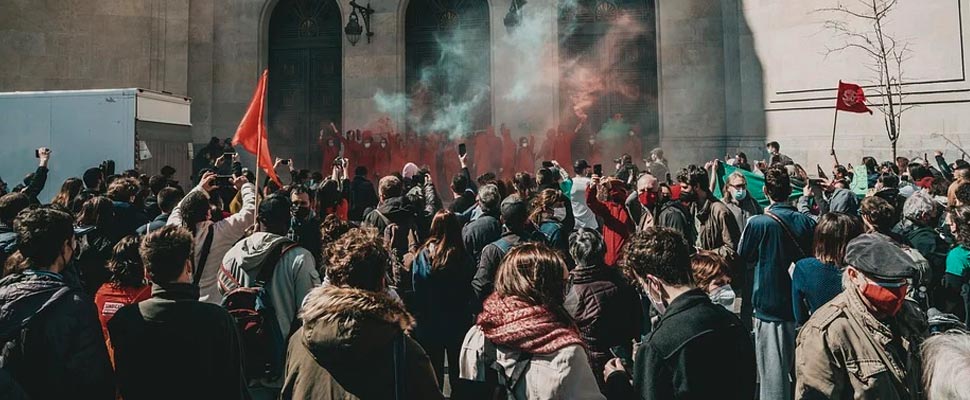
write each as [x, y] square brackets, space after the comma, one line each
[448, 65]
[617, 41]
[304, 77]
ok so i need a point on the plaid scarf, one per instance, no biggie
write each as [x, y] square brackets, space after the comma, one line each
[511, 322]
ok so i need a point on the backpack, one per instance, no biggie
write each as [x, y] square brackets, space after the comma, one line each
[11, 347]
[551, 233]
[499, 386]
[393, 236]
[263, 343]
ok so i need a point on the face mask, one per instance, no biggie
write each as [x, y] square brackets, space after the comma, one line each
[383, 145]
[925, 183]
[739, 194]
[302, 213]
[330, 143]
[525, 144]
[631, 133]
[647, 199]
[653, 295]
[688, 196]
[366, 145]
[592, 141]
[887, 300]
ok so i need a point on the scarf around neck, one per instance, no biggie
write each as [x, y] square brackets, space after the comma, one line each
[512, 322]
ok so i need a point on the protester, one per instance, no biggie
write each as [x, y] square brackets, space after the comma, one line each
[11, 204]
[514, 219]
[717, 229]
[212, 239]
[524, 329]
[697, 349]
[711, 274]
[487, 228]
[818, 279]
[394, 209]
[920, 217]
[94, 243]
[773, 241]
[38, 179]
[304, 222]
[353, 342]
[642, 204]
[675, 215]
[362, 194]
[577, 195]
[462, 189]
[554, 228]
[945, 371]
[605, 307]
[285, 271]
[957, 274]
[173, 337]
[657, 165]
[69, 190]
[52, 343]
[441, 273]
[127, 284]
[774, 150]
[617, 224]
[864, 343]
[167, 199]
[127, 217]
[739, 200]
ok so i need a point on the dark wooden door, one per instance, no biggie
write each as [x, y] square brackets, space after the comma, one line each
[627, 59]
[448, 62]
[304, 77]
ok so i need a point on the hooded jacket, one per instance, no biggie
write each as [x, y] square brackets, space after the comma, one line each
[352, 344]
[61, 352]
[294, 276]
[395, 210]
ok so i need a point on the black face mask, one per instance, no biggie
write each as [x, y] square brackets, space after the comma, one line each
[302, 213]
[688, 197]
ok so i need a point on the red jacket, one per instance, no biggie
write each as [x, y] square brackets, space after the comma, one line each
[329, 152]
[508, 155]
[617, 225]
[110, 298]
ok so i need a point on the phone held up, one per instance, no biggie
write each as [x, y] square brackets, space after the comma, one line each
[598, 169]
[547, 164]
[462, 150]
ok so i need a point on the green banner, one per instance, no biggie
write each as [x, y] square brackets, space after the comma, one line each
[756, 184]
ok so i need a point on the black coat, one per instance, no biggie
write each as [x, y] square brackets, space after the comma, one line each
[398, 211]
[697, 350]
[172, 346]
[362, 197]
[61, 353]
[91, 259]
[479, 233]
[606, 310]
[483, 284]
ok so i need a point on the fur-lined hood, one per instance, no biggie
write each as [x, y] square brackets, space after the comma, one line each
[338, 320]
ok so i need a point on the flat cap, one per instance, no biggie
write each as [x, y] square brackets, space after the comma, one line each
[876, 255]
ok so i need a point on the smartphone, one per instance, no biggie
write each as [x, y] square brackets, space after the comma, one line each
[223, 180]
[547, 164]
[462, 150]
[36, 153]
[598, 169]
[228, 155]
[623, 353]
[285, 161]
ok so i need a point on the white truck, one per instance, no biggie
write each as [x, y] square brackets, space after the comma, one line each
[133, 127]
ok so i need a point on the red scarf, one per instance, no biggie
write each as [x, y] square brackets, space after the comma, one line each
[511, 322]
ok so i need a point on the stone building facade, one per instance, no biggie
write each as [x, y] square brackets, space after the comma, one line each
[725, 75]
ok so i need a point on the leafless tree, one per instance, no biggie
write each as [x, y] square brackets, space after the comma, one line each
[863, 28]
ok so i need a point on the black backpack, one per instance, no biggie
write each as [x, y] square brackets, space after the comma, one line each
[263, 343]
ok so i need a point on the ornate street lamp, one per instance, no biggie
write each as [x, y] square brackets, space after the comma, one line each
[353, 30]
[514, 17]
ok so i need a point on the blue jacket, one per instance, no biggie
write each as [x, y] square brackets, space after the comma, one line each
[813, 283]
[766, 244]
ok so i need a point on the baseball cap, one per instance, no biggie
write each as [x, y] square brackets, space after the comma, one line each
[580, 165]
[875, 255]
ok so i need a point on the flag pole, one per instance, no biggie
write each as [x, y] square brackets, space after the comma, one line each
[835, 122]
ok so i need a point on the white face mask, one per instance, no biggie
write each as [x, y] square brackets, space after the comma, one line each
[525, 144]
[366, 145]
[592, 141]
[653, 296]
[383, 145]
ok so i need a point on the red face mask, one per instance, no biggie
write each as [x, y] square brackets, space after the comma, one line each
[648, 198]
[925, 183]
[886, 300]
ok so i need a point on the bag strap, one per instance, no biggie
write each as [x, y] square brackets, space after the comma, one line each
[788, 233]
[204, 255]
[492, 369]
[268, 266]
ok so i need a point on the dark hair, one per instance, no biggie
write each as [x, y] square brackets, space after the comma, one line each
[524, 185]
[694, 176]
[123, 189]
[12, 204]
[70, 188]
[534, 273]
[777, 184]
[586, 247]
[360, 171]
[195, 209]
[168, 198]
[459, 183]
[125, 265]
[327, 197]
[889, 180]
[774, 145]
[742, 155]
[274, 213]
[661, 252]
[709, 267]
[489, 198]
[962, 193]
[92, 178]
[390, 186]
[918, 171]
[168, 170]
[832, 234]
[545, 177]
[871, 164]
[880, 213]
[961, 218]
[892, 167]
[97, 212]
[165, 251]
[41, 235]
[359, 259]
[445, 234]
[157, 182]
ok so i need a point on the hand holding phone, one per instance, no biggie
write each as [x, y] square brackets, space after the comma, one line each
[462, 150]
[598, 169]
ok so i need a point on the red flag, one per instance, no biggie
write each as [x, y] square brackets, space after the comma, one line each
[252, 134]
[851, 98]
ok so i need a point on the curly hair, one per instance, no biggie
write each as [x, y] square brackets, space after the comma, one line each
[661, 252]
[777, 184]
[165, 251]
[125, 265]
[359, 259]
[41, 233]
[960, 217]
[123, 189]
[694, 176]
[879, 213]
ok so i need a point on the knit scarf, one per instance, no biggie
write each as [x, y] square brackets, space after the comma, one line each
[511, 322]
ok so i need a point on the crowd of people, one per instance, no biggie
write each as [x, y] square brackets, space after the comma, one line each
[729, 279]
